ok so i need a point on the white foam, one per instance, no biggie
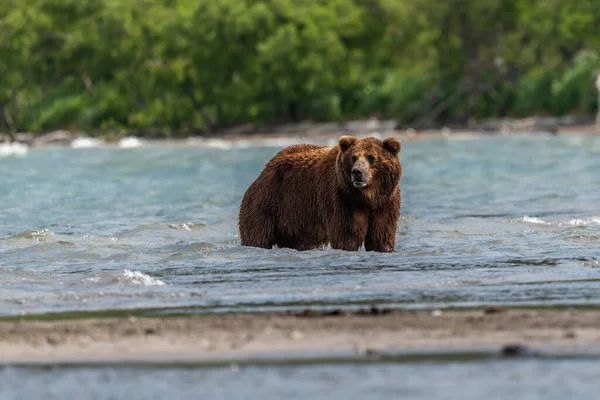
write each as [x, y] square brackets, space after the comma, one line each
[13, 149]
[139, 278]
[534, 220]
[86, 142]
[217, 144]
[41, 232]
[186, 226]
[130, 142]
[571, 222]
[582, 221]
[33, 234]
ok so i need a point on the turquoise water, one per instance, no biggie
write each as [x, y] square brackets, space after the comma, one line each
[510, 379]
[485, 220]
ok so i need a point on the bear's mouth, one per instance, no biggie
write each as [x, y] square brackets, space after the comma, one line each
[359, 184]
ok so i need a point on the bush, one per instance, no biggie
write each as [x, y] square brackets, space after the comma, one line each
[196, 65]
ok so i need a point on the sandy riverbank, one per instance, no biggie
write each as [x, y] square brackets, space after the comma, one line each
[242, 335]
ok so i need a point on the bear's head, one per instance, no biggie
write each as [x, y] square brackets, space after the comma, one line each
[369, 164]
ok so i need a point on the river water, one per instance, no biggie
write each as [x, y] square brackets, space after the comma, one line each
[481, 379]
[485, 220]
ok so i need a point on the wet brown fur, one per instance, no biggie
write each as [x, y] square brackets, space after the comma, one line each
[304, 198]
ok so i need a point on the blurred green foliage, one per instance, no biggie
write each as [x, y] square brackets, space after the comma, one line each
[192, 66]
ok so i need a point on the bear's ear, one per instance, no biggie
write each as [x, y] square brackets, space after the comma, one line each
[393, 145]
[346, 142]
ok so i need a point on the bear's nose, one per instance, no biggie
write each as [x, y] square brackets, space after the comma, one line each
[356, 172]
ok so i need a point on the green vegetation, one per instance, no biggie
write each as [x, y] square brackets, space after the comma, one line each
[193, 66]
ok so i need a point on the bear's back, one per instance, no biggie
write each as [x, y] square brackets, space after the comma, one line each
[299, 156]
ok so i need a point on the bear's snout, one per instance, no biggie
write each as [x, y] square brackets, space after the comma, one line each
[360, 174]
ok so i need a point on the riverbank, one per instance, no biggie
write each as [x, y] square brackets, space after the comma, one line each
[573, 124]
[242, 336]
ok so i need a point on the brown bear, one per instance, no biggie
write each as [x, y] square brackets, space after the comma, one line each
[309, 196]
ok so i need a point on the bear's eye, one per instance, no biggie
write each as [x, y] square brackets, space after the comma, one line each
[354, 159]
[371, 158]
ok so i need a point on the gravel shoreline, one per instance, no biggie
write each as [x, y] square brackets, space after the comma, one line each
[241, 336]
[307, 131]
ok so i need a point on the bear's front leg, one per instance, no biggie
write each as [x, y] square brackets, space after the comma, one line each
[348, 228]
[383, 223]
